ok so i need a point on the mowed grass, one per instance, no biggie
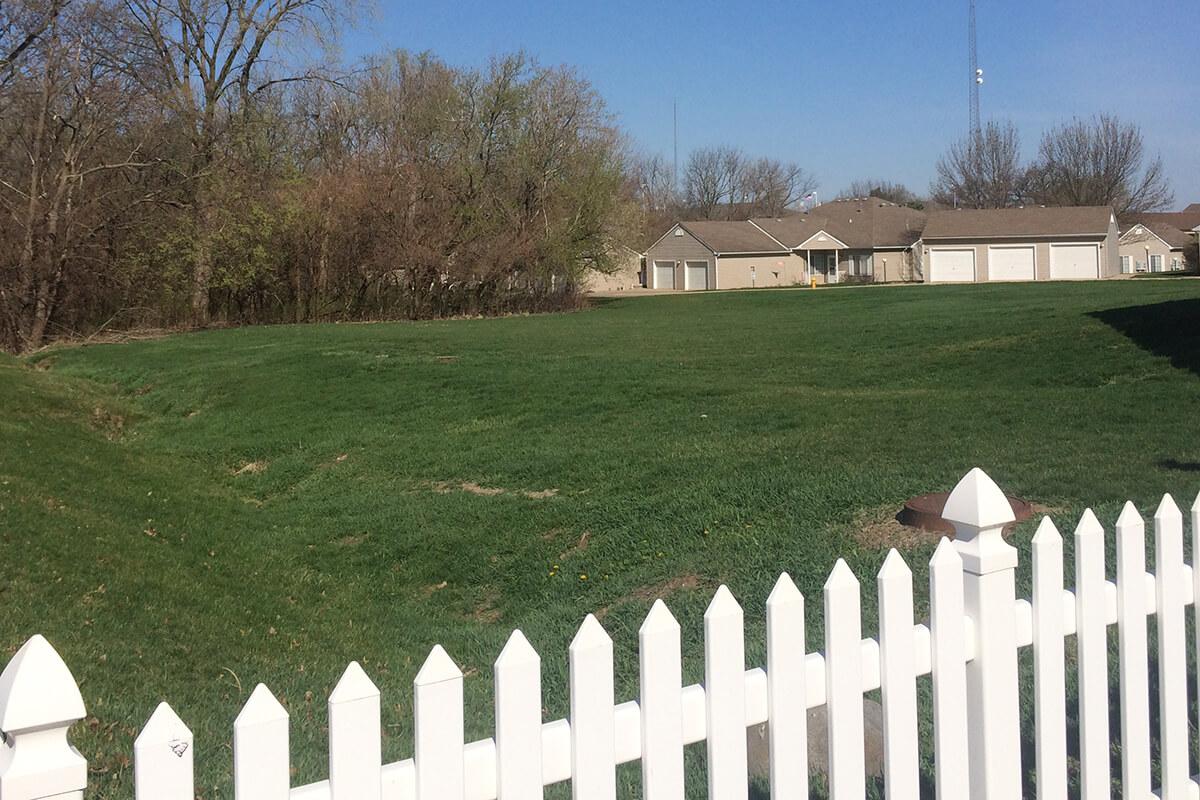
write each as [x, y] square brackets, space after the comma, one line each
[184, 518]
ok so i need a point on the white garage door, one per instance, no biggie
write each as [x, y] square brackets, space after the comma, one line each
[1010, 263]
[952, 266]
[1074, 262]
[664, 274]
[697, 275]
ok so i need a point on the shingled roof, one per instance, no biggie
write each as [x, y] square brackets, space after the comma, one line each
[1172, 236]
[1186, 220]
[1016, 222]
[732, 237]
[865, 224]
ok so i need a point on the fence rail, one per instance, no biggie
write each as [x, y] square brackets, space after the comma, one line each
[969, 647]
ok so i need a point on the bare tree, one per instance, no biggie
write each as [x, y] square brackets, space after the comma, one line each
[712, 180]
[885, 190]
[207, 62]
[770, 187]
[982, 170]
[1099, 162]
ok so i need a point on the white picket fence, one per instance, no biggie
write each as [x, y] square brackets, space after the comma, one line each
[969, 648]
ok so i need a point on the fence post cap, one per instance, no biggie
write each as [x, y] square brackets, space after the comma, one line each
[979, 511]
[1167, 508]
[37, 690]
[262, 707]
[353, 685]
[438, 668]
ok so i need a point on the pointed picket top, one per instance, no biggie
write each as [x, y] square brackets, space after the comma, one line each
[353, 685]
[978, 502]
[1089, 524]
[785, 593]
[660, 618]
[438, 667]
[1130, 516]
[164, 727]
[895, 567]
[841, 576]
[590, 634]
[945, 554]
[1046, 533]
[517, 652]
[262, 707]
[1167, 509]
[37, 689]
[723, 604]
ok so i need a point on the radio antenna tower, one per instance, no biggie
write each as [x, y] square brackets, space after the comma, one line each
[976, 73]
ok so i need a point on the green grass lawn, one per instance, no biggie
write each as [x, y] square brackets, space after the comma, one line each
[186, 517]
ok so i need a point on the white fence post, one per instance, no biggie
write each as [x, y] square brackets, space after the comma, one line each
[979, 512]
[39, 701]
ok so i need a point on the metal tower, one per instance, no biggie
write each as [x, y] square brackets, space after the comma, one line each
[976, 73]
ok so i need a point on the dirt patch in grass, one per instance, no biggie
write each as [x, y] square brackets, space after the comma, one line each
[577, 548]
[112, 425]
[471, 487]
[485, 610]
[350, 541]
[878, 528]
[251, 468]
[654, 591]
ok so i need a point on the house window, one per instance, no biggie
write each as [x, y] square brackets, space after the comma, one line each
[1175, 264]
[1156, 262]
[861, 265]
[1126, 264]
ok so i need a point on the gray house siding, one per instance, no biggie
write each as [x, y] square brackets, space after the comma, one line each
[679, 249]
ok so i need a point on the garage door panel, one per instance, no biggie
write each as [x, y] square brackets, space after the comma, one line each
[1011, 263]
[697, 275]
[1074, 262]
[952, 266]
[664, 274]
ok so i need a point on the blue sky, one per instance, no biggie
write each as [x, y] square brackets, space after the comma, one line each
[848, 90]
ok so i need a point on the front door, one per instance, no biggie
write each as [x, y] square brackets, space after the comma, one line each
[831, 275]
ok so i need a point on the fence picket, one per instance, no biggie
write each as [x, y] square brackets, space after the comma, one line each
[355, 752]
[261, 762]
[1049, 687]
[725, 697]
[947, 642]
[593, 756]
[897, 673]
[438, 721]
[786, 690]
[1196, 592]
[1133, 656]
[660, 666]
[518, 676]
[843, 683]
[163, 758]
[1091, 639]
[1172, 654]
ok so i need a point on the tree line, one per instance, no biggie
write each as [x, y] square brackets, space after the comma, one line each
[166, 163]
[161, 166]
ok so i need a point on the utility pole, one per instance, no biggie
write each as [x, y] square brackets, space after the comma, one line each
[675, 145]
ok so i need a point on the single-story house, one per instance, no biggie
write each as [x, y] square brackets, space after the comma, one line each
[865, 240]
[1152, 247]
[1161, 241]
[693, 256]
[1020, 244]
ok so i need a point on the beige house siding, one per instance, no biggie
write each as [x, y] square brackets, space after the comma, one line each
[1139, 246]
[1109, 263]
[776, 269]
[679, 249]
[626, 276]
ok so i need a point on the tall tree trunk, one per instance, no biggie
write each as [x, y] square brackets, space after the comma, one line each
[202, 268]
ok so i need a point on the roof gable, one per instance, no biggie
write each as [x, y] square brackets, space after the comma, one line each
[860, 224]
[733, 237]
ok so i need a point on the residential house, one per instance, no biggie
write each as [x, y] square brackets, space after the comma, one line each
[1161, 242]
[693, 256]
[1020, 244]
[864, 240]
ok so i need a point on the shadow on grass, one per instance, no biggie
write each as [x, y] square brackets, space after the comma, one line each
[1166, 329]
